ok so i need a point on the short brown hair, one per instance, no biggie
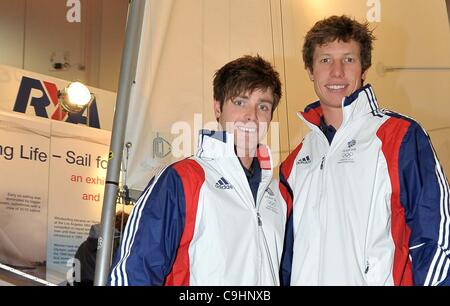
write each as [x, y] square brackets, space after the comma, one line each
[341, 28]
[246, 73]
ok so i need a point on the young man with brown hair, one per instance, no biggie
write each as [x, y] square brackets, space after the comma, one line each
[370, 199]
[215, 218]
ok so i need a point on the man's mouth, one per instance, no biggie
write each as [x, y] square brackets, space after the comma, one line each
[336, 86]
[246, 129]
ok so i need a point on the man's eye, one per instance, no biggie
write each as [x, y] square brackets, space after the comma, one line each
[264, 107]
[238, 102]
[349, 59]
[325, 60]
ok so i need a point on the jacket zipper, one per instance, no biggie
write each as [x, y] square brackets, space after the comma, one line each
[266, 246]
[322, 211]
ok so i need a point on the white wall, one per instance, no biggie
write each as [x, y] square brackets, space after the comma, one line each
[114, 13]
[32, 30]
[411, 33]
[47, 32]
[12, 32]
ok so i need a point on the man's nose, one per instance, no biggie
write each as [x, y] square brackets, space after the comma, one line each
[337, 69]
[251, 114]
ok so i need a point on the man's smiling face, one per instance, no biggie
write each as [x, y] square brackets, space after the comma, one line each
[337, 72]
[247, 116]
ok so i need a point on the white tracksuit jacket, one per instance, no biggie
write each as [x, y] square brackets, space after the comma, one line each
[197, 223]
[372, 208]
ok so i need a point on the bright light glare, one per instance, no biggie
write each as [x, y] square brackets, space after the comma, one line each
[78, 94]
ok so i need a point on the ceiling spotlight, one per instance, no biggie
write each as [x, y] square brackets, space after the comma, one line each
[75, 97]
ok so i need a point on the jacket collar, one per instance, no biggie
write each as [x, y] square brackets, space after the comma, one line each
[220, 144]
[361, 102]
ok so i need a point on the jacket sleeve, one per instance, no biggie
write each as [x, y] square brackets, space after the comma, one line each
[286, 259]
[424, 193]
[152, 234]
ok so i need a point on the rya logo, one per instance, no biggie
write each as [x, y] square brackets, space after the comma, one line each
[304, 160]
[222, 183]
[43, 97]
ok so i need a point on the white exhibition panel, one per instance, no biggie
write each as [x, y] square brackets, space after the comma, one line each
[79, 157]
[24, 160]
[51, 191]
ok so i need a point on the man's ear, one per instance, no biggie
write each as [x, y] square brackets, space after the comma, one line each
[217, 111]
[363, 76]
[310, 74]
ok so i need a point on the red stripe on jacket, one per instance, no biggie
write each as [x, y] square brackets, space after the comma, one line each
[192, 176]
[285, 169]
[391, 134]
